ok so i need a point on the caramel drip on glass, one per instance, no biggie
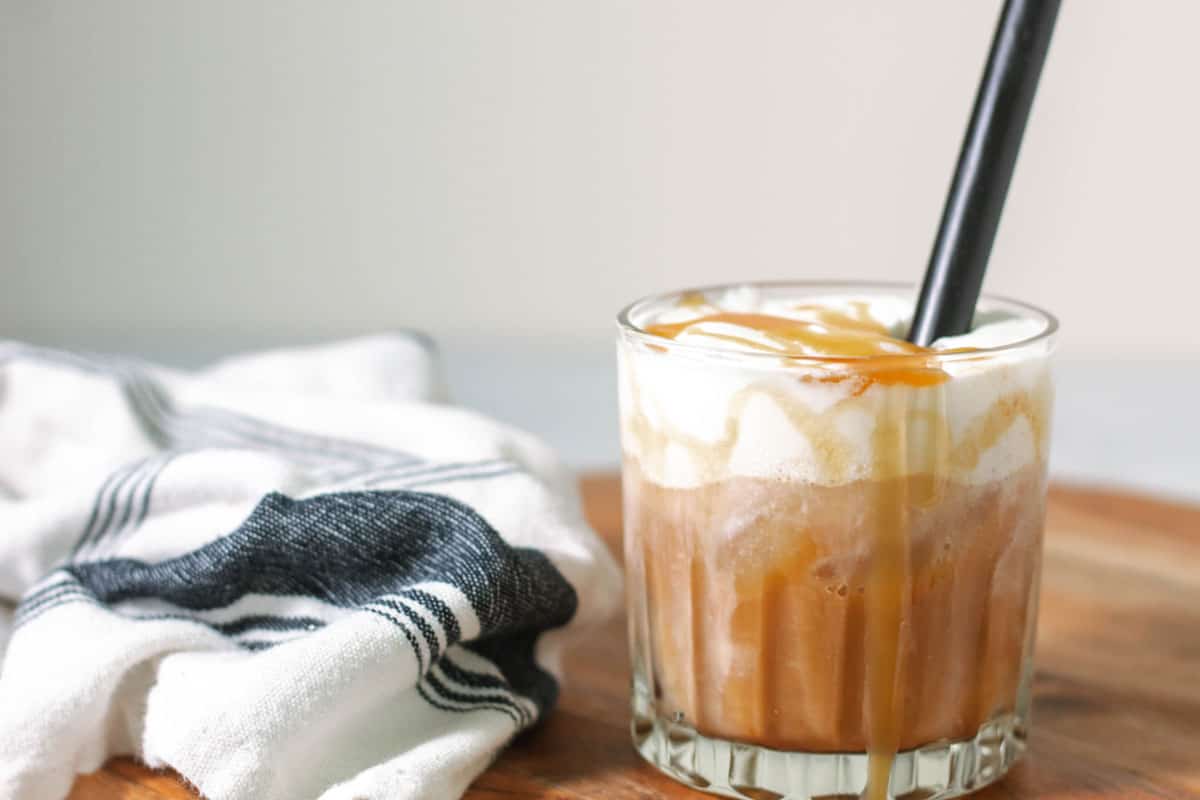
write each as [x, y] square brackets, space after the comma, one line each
[909, 439]
[888, 585]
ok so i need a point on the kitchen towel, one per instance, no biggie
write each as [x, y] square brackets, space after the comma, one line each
[294, 574]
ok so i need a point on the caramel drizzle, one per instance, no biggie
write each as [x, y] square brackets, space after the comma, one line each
[821, 332]
[850, 344]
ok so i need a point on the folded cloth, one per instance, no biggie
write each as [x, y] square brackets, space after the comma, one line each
[290, 575]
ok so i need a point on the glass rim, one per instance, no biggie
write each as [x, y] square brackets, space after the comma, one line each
[626, 325]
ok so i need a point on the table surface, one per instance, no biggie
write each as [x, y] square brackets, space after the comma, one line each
[1117, 708]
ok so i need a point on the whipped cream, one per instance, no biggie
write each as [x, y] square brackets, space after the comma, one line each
[689, 419]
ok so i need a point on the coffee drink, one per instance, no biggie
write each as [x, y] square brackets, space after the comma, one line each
[833, 539]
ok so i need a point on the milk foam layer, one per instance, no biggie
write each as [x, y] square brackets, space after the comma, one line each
[701, 413]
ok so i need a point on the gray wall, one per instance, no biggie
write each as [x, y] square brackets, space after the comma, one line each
[270, 170]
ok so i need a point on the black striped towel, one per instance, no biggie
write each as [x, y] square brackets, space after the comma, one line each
[290, 575]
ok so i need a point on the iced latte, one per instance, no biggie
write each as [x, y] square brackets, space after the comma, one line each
[833, 539]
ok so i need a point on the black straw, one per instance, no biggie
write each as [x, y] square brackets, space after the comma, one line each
[954, 276]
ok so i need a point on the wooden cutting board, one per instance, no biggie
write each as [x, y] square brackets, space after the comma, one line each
[1117, 709]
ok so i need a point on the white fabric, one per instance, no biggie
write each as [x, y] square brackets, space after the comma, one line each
[336, 708]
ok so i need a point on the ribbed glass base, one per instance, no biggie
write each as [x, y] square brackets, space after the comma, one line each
[733, 769]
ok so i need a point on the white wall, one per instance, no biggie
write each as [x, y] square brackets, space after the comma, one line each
[296, 169]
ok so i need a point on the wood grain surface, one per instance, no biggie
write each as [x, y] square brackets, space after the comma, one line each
[1117, 709]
